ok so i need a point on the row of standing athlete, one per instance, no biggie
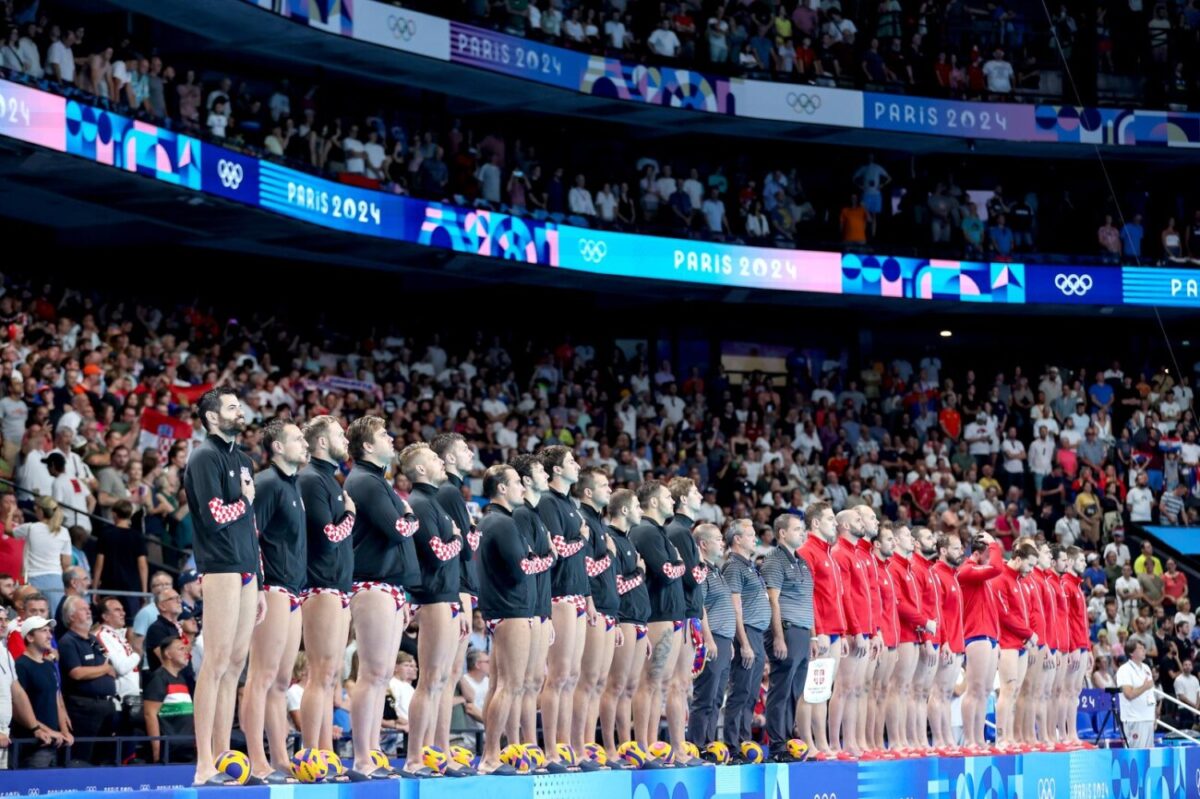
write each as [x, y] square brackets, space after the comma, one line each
[611, 610]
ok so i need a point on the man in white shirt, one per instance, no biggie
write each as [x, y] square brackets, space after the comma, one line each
[1066, 529]
[31, 58]
[1140, 500]
[663, 41]
[1014, 458]
[113, 638]
[606, 204]
[71, 493]
[1070, 435]
[614, 31]
[999, 73]
[75, 467]
[710, 511]
[488, 176]
[979, 442]
[32, 474]
[61, 59]
[579, 200]
[376, 156]
[1169, 410]
[1187, 687]
[1051, 385]
[1041, 456]
[356, 162]
[1138, 701]
[1129, 593]
[218, 119]
[1118, 547]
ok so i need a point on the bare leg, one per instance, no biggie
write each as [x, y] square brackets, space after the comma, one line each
[374, 618]
[820, 710]
[879, 696]
[866, 715]
[326, 628]
[535, 678]
[566, 706]
[511, 646]
[597, 659]
[231, 609]
[436, 646]
[441, 736]
[626, 668]
[399, 623]
[647, 704]
[1010, 679]
[900, 696]
[679, 690]
[1047, 710]
[269, 643]
[558, 676]
[610, 647]
[277, 723]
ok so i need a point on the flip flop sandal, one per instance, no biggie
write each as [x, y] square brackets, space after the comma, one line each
[217, 780]
[503, 770]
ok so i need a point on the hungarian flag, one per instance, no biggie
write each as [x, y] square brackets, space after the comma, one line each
[160, 431]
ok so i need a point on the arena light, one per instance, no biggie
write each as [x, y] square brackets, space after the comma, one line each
[946, 334]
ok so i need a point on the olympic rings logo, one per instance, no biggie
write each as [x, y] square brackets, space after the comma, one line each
[230, 173]
[593, 251]
[824, 796]
[1046, 789]
[1073, 285]
[403, 28]
[803, 103]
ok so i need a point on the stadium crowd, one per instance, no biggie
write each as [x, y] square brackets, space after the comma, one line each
[409, 144]
[957, 48]
[99, 418]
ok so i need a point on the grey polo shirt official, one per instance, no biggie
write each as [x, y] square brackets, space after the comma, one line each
[788, 573]
[717, 604]
[743, 578]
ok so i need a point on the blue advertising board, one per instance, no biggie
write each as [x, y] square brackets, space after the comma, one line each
[104, 137]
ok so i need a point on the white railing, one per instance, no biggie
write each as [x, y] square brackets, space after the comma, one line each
[1183, 705]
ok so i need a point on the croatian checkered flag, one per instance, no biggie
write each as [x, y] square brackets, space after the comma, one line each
[160, 432]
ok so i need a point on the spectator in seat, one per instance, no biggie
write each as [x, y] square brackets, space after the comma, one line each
[579, 200]
[121, 563]
[74, 497]
[606, 205]
[999, 74]
[758, 227]
[1147, 562]
[60, 58]
[663, 41]
[113, 636]
[1000, 237]
[488, 176]
[714, 214]
[1171, 506]
[1132, 234]
[377, 159]
[1175, 587]
[170, 608]
[682, 213]
[218, 120]
[356, 162]
[47, 547]
[167, 704]
[972, 230]
[854, 221]
[1109, 238]
[38, 675]
[89, 685]
[1171, 244]
[76, 583]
